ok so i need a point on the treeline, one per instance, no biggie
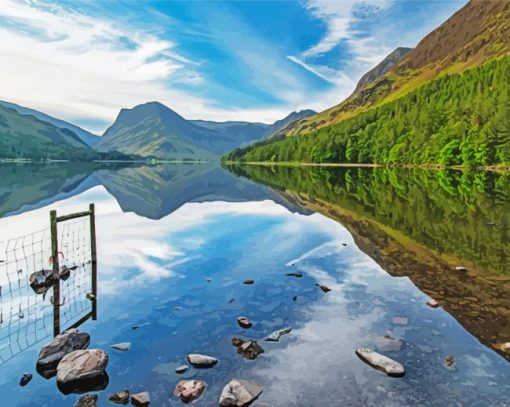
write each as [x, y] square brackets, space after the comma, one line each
[459, 119]
[463, 214]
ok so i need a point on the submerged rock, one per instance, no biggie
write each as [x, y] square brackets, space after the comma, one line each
[63, 344]
[240, 393]
[189, 390]
[123, 346]
[82, 370]
[276, 335]
[244, 322]
[380, 362]
[201, 361]
[249, 281]
[388, 344]
[323, 287]
[89, 400]
[181, 369]
[449, 361]
[25, 379]
[400, 320]
[296, 274]
[142, 399]
[247, 349]
[121, 397]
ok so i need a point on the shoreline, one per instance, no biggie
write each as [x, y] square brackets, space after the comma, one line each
[366, 165]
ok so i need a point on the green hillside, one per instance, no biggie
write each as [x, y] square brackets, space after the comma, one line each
[458, 119]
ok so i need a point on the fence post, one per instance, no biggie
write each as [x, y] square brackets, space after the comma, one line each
[93, 254]
[56, 284]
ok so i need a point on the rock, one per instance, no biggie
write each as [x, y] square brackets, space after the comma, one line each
[201, 361]
[140, 325]
[388, 344]
[276, 335]
[449, 361]
[247, 349]
[432, 303]
[297, 274]
[244, 322]
[380, 362]
[248, 282]
[52, 353]
[344, 244]
[142, 399]
[209, 280]
[504, 347]
[400, 320]
[25, 379]
[425, 348]
[295, 298]
[82, 370]
[89, 400]
[41, 281]
[189, 390]
[123, 346]
[121, 397]
[181, 369]
[239, 393]
[460, 268]
[323, 287]
[231, 300]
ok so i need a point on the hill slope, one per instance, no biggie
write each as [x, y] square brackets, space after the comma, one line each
[478, 32]
[87, 137]
[23, 136]
[153, 129]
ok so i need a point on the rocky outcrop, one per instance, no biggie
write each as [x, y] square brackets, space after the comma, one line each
[52, 353]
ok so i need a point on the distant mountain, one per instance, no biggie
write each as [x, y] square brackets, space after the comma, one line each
[87, 137]
[23, 136]
[152, 129]
[478, 32]
[444, 102]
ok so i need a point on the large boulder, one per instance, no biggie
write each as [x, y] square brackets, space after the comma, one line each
[52, 353]
[201, 361]
[189, 390]
[381, 362]
[82, 370]
[239, 393]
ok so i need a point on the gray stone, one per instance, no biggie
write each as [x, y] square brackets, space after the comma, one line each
[82, 369]
[432, 303]
[123, 346]
[89, 400]
[201, 361]
[189, 390]
[380, 362]
[239, 393]
[52, 353]
[121, 397]
[181, 369]
[142, 399]
[276, 335]
[388, 344]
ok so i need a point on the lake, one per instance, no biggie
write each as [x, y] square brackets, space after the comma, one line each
[176, 242]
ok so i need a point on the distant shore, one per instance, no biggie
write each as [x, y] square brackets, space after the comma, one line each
[365, 165]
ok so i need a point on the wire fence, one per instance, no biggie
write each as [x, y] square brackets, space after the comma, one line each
[41, 292]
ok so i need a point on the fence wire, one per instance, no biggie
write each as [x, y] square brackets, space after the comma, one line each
[27, 317]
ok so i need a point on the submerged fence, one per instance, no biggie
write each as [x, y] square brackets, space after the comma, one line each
[48, 281]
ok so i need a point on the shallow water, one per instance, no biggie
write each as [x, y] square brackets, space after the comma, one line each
[175, 244]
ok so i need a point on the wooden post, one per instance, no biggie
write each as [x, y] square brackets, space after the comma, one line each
[56, 284]
[93, 254]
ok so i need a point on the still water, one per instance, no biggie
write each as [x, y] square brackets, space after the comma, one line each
[176, 242]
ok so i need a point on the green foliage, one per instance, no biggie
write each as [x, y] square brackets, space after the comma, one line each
[460, 214]
[459, 119]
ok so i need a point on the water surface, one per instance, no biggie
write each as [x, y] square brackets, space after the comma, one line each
[176, 242]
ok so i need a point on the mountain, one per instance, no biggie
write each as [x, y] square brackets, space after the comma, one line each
[87, 137]
[25, 136]
[152, 129]
[444, 102]
[478, 32]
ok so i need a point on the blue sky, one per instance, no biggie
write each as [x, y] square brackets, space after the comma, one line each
[228, 60]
